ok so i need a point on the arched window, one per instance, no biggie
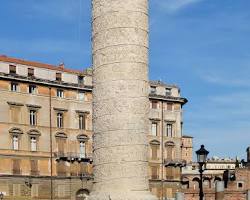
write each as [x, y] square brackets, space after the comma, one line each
[15, 135]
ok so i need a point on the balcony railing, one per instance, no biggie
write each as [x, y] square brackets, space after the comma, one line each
[73, 157]
[155, 177]
[174, 162]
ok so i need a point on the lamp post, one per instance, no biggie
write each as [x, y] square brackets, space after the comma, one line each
[201, 159]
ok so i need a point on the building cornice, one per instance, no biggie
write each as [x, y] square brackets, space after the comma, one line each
[47, 83]
[168, 98]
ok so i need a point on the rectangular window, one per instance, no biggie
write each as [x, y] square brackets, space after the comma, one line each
[153, 90]
[60, 143]
[12, 69]
[30, 72]
[169, 106]
[15, 142]
[154, 149]
[154, 104]
[154, 172]
[82, 122]
[81, 96]
[80, 80]
[32, 117]
[32, 89]
[168, 91]
[33, 144]
[16, 166]
[154, 128]
[59, 120]
[59, 76]
[14, 87]
[59, 93]
[169, 130]
[82, 150]
[34, 167]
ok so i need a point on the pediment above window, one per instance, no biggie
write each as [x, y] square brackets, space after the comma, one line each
[82, 137]
[34, 132]
[15, 131]
[154, 142]
[61, 135]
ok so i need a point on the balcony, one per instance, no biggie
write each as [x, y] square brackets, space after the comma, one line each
[73, 157]
[174, 162]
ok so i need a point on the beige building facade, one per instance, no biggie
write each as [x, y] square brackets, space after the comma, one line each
[46, 133]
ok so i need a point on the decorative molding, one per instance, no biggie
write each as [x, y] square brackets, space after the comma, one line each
[14, 103]
[15, 131]
[60, 109]
[61, 135]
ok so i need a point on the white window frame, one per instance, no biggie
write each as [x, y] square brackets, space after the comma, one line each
[82, 149]
[81, 96]
[32, 115]
[14, 87]
[82, 122]
[60, 93]
[32, 89]
[154, 127]
[15, 142]
[59, 120]
[169, 129]
[33, 143]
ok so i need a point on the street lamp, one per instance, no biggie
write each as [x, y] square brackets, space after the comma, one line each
[201, 159]
[1, 196]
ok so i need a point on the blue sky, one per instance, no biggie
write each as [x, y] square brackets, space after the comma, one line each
[200, 45]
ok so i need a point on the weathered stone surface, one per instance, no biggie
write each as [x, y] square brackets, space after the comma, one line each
[120, 99]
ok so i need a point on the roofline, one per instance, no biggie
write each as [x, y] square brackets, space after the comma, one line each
[12, 60]
[187, 136]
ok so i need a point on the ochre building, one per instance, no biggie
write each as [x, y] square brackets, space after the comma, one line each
[46, 133]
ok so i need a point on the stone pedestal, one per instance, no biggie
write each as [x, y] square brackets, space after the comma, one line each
[120, 99]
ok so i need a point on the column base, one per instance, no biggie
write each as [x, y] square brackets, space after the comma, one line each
[121, 196]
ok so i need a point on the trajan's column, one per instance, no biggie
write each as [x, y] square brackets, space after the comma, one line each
[120, 99]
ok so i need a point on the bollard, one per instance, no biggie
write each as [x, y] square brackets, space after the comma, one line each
[219, 190]
[179, 196]
[248, 195]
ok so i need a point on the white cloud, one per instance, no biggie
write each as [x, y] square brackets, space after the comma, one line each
[172, 6]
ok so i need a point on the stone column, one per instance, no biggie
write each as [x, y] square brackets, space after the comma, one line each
[219, 190]
[120, 99]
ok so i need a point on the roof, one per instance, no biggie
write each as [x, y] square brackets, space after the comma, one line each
[187, 136]
[5, 58]
[160, 83]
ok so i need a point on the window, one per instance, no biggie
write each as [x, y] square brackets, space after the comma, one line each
[169, 130]
[81, 96]
[170, 106]
[154, 172]
[32, 117]
[154, 150]
[240, 185]
[154, 128]
[30, 72]
[82, 149]
[82, 122]
[154, 104]
[32, 89]
[12, 69]
[80, 80]
[33, 144]
[59, 93]
[13, 87]
[15, 142]
[59, 76]
[59, 120]
[153, 90]
[168, 91]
